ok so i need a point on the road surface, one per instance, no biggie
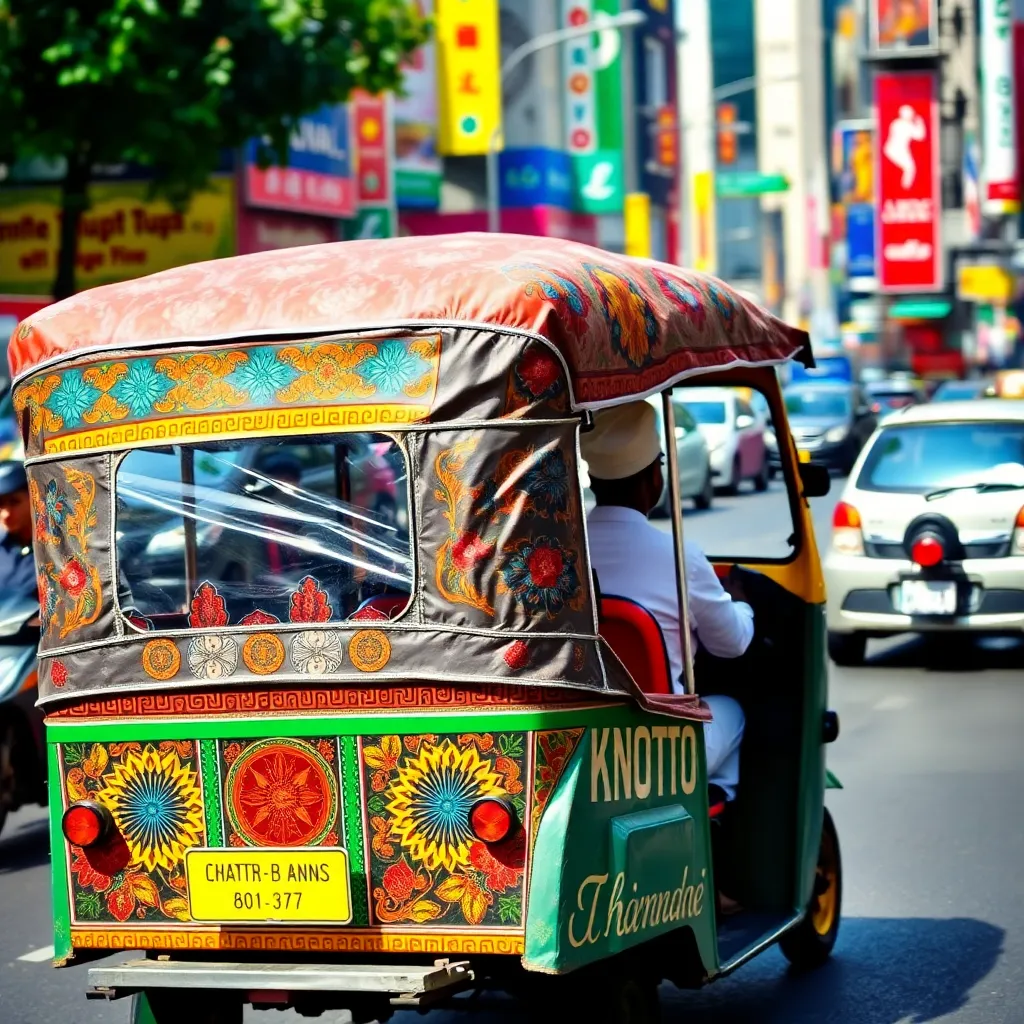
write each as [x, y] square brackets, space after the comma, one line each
[931, 758]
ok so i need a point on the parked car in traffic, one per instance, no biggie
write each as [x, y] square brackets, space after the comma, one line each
[695, 481]
[964, 390]
[829, 420]
[735, 435]
[929, 533]
[894, 393]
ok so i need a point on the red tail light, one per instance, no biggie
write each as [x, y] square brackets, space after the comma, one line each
[491, 820]
[845, 516]
[927, 551]
[86, 823]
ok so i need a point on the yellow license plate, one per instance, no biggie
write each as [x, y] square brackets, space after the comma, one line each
[308, 886]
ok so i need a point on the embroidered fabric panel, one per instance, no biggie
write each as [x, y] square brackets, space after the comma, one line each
[71, 530]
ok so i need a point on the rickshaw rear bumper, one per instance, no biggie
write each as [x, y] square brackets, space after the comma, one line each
[405, 984]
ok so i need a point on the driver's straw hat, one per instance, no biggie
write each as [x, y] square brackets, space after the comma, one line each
[624, 441]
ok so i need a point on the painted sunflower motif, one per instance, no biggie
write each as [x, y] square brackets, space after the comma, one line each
[157, 805]
[430, 800]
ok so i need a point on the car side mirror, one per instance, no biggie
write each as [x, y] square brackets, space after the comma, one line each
[815, 479]
[744, 422]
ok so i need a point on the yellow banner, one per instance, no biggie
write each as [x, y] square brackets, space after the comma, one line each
[637, 217]
[991, 284]
[704, 222]
[123, 235]
[468, 71]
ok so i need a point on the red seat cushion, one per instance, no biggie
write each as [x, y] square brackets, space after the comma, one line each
[634, 635]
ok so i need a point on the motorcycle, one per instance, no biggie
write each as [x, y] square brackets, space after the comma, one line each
[22, 739]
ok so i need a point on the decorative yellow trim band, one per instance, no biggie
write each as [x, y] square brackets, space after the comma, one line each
[246, 424]
[341, 940]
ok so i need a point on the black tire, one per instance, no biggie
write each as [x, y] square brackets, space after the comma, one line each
[703, 500]
[173, 1006]
[847, 649]
[734, 484]
[810, 943]
[762, 478]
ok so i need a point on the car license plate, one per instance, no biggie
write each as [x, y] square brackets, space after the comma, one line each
[307, 886]
[928, 597]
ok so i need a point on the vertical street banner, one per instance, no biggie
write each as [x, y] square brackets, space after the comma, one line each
[903, 24]
[855, 193]
[909, 246]
[1001, 189]
[417, 165]
[578, 85]
[468, 73]
[654, 46]
[373, 143]
[598, 172]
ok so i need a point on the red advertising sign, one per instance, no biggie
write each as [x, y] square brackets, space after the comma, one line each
[909, 197]
[372, 134]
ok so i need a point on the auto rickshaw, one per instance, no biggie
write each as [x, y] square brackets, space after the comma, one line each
[302, 755]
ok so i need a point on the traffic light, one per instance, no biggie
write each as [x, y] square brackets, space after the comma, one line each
[727, 147]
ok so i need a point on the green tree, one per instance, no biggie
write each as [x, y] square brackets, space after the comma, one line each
[170, 84]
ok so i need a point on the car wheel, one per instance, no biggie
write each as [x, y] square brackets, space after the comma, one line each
[733, 486]
[762, 478]
[810, 943]
[847, 649]
[703, 500]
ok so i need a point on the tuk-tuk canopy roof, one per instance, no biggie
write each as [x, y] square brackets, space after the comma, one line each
[624, 327]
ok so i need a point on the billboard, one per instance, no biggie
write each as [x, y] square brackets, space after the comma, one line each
[417, 165]
[903, 24]
[909, 199]
[124, 234]
[855, 193]
[317, 178]
[1001, 193]
[469, 60]
[654, 50]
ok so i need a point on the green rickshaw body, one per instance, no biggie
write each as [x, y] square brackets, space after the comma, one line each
[289, 764]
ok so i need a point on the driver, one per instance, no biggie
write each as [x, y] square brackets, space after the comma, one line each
[17, 566]
[636, 560]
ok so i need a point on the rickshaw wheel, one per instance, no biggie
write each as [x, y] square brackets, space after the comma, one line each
[809, 944]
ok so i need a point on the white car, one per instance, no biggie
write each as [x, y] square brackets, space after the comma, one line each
[929, 534]
[735, 436]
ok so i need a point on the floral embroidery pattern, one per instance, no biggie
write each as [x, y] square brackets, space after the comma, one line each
[154, 795]
[634, 327]
[161, 659]
[263, 653]
[425, 863]
[282, 792]
[395, 369]
[531, 482]
[316, 652]
[70, 590]
[309, 603]
[212, 656]
[541, 576]
[552, 751]
[369, 650]
[207, 609]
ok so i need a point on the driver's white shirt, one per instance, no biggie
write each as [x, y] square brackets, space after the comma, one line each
[636, 560]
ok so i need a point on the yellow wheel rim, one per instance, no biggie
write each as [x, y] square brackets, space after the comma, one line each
[826, 888]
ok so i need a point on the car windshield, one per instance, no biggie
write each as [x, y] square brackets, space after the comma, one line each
[266, 532]
[924, 457]
[707, 412]
[954, 391]
[817, 403]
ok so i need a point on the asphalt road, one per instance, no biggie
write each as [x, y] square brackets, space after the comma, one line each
[932, 761]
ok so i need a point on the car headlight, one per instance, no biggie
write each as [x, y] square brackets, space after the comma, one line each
[835, 435]
[770, 439]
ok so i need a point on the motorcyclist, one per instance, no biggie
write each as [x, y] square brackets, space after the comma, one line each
[17, 567]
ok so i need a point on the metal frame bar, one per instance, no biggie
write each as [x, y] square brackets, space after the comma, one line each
[676, 503]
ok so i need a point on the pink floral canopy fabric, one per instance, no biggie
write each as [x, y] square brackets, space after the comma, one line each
[624, 327]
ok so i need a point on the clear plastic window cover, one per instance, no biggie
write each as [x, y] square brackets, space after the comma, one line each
[263, 533]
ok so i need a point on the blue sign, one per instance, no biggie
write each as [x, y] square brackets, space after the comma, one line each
[657, 131]
[319, 143]
[826, 368]
[860, 241]
[535, 176]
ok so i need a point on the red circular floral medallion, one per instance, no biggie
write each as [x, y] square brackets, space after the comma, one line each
[281, 793]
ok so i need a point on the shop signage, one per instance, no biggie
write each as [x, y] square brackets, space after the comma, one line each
[578, 86]
[536, 177]
[317, 178]
[373, 141]
[854, 168]
[260, 230]
[654, 60]
[469, 90]
[909, 205]
[124, 234]
[985, 283]
[734, 184]
[417, 165]
[999, 129]
[901, 25]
